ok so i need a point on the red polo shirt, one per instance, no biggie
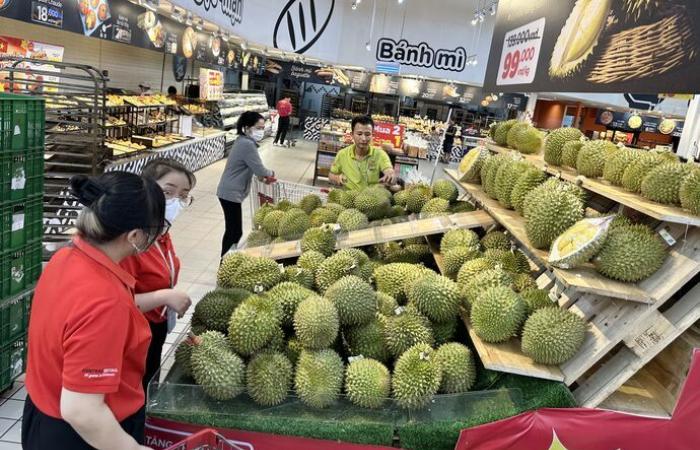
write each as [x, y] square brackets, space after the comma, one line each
[86, 333]
[152, 271]
[284, 108]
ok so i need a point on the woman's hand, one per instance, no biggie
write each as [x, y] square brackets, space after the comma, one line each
[176, 300]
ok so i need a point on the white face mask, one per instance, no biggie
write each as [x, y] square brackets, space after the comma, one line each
[173, 207]
[257, 134]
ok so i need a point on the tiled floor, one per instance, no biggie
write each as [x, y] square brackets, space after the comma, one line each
[197, 239]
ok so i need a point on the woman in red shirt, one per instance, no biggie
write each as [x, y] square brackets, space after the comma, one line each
[87, 339]
[156, 271]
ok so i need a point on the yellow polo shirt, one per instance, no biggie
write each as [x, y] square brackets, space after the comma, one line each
[360, 173]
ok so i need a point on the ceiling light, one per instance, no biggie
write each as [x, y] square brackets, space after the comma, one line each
[354, 5]
[368, 46]
[492, 10]
[474, 21]
[400, 1]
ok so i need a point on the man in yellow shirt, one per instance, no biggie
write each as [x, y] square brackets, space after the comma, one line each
[360, 165]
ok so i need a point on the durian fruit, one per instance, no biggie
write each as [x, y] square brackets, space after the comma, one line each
[663, 183]
[320, 239]
[511, 261]
[367, 383]
[257, 238]
[372, 204]
[219, 371]
[340, 197]
[285, 205]
[269, 378]
[460, 207]
[473, 288]
[197, 326]
[271, 222]
[526, 182]
[454, 258]
[506, 179]
[637, 170]
[311, 260]
[592, 157]
[435, 297]
[444, 332]
[256, 275]
[514, 133]
[382, 191]
[260, 214]
[215, 308]
[292, 350]
[293, 224]
[355, 300]
[334, 268]
[490, 172]
[579, 37]
[417, 377]
[352, 219]
[689, 192]
[458, 369]
[183, 356]
[569, 153]
[471, 268]
[363, 262]
[322, 216]
[367, 340]
[552, 335]
[319, 377]
[458, 237]
[578, 244]
[492, 129]
[316, 323]
[390, 278]
[497, 314]
[615, 167]
[401, 197]
[276, 343]
[446, 190]
[501, 133]
[470, 166]
[335, 207]
[386, 304]
[536, 299]
[396, 211]
[299, 275]
[554, 144]
[253, 324]
[418, 196]
[548, 213]
[310, 202]
[630, 253]
[529, 141]
[523, 282]
[435, 207]
[495, 239]
[289, 296]
[408, 328]
[230, 263]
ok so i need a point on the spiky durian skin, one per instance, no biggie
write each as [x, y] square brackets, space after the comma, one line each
[689, 192]
[386, 304]
[271, 222]
[289, 295]
[536, 299]
[366, 267]
[316, 323]
[319, 377]
[435, 207]
[631, 253]
[458, 369]
[495, 239]
[417, 377]
[260, 214]
[340, 197]
[514, 133]
[292, 350]
[372, 204]
[569, 153]
[418, 196]
[311, 260]
[497, 314]
[471, 164]
[511, 261]
[299, 275]
[352, 219]
[501, 133]
[257, 238]
[367, 340]
[592, 157]
[230, 263]
[446, 190]
[615, 166]
[367, 383]
[529, 141]
[183, 355]
[253, 324]
[490, 172]
[215, 308]
[471, 268]
[637, 170]
[523, 282]
[664, 182]
[406, 329]
[527, 181]
[455, 257]
[285, 205]
[552, 335]
[310, 202]
[474, 287]
[554, 144]
[435, 297]
[354, 299]
[320, 216]
[319, 239]
[506, 179]
[444, 332]
[256, 274]
[334, 268]
[461, 207]
[390, 278]
[269, 378]
[458, 238]
[219, 371]
[548, 213]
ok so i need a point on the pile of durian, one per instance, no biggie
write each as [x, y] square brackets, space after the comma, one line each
[518, 135]
[351, 210]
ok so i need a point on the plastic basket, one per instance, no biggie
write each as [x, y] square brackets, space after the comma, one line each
[22, 123]
[20, 222]
[283, 190]
[21, 174]
[205, 440]
[13, 357]
[14, 317]
[19, 269]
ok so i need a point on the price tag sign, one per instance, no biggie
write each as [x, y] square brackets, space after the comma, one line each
[521, 52]
[388, 132]
[48, 12]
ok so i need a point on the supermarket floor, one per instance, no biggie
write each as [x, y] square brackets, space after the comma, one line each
[197, 239]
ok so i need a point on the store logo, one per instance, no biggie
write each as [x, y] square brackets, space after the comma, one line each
[421, 55]
[233, 9]
[304, 21]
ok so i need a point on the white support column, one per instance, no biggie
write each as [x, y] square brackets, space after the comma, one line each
[689, 145]
[244, 81]
[529, 112]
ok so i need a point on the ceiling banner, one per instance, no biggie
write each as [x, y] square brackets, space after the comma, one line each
[595, 46]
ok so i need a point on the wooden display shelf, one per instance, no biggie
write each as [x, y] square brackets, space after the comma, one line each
[664, 213]
[583, 279]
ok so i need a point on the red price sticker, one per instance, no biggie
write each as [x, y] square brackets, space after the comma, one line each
[521, 53]
[388, 132]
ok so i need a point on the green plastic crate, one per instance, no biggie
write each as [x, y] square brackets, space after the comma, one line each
[21, 175]
[19, 269]
[14, 317]
[13, 361]
[21, 222]
[22, 123]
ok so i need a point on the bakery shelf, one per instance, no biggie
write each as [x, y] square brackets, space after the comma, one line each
[664, 213]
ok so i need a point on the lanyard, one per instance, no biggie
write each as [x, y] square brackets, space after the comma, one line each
[169, 263]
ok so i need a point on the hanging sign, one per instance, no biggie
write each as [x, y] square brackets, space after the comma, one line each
[387, 132]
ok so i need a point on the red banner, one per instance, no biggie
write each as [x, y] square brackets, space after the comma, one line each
[162, 434]
[387, 132]
[595, 429]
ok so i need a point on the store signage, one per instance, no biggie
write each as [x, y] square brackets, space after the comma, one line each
[12, 46]
[48, 12]
[604, 46]
[389, 68]
[420, 55]
[232, 9]
[388, 132]
[301, 23]
[615, 120]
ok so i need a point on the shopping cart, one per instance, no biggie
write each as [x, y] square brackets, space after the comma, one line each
[206, 440]
[282, 190]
